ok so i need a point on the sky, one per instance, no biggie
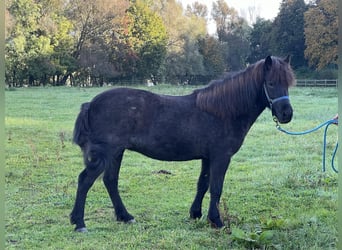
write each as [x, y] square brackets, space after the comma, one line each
[267, 9]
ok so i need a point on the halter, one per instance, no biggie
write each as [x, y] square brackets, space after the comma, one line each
[272, 101]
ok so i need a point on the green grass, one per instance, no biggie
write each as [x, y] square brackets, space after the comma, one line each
[275, 195]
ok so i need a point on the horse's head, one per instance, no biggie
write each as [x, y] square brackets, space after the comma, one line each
[278, 77]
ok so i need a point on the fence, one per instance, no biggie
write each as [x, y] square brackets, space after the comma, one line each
[317, 83]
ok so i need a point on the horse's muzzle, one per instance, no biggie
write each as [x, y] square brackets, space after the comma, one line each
[283, 112]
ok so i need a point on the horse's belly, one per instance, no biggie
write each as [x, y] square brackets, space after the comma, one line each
[173, 150]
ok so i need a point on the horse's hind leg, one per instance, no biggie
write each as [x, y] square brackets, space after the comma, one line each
[202, 187]
[85, 181]
[110, 179]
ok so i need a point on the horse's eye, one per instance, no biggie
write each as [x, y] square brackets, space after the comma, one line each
[271, 84]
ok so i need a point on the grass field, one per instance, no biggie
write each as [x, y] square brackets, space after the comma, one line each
[275, 195]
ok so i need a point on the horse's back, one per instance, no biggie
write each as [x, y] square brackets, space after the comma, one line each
[122, 98]
[121, 109]
[125, 111]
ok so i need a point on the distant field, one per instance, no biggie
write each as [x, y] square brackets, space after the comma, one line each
[275, 194]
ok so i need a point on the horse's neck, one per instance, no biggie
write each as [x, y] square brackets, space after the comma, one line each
[250, 102]
[242, 122]
[248, 117]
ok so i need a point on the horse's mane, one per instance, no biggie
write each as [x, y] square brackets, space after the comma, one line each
[236, 92]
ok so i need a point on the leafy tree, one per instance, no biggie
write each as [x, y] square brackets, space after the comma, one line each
[94, 25]
[35, 39]
[233, 32]
[94, 19]
[183, 59]
[238, 45]
[25, 41]
[62, 56]
[288, 31]
[147, 38]
[225, 18]
[213, 60]
[197, 9]
[260, 40]
[321, 33]
[192, 61]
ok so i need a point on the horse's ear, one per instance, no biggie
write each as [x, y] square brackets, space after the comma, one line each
[268, 63]
[287, 59]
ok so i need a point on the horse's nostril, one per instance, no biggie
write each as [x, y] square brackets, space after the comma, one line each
[287, 113]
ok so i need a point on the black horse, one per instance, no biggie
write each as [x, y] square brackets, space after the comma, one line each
[210, 124]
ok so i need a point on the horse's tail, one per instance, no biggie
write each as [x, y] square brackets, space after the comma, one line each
[81, 129]
[95, 154]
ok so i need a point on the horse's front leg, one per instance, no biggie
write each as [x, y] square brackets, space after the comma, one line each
[202, 188]
[218, 168]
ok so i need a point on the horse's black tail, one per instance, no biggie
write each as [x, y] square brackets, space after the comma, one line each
[81, 129]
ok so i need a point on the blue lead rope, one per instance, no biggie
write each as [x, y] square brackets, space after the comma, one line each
[326, 124]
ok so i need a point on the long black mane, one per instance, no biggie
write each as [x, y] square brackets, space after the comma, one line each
[236, 92]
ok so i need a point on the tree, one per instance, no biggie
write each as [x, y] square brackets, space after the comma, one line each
[213, 61]
[321, 33]
[225, 18]
[233, 32]
[38, 42]
[238, 45]
[260, 40]
[26, 41]
[288, 32]
[197, 9]
[63, 42]
[147, 38]
[183, 59]
[94, 23]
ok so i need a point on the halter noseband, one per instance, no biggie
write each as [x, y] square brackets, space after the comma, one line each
[272, 101]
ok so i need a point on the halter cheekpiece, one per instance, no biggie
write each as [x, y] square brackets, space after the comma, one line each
[272, 101]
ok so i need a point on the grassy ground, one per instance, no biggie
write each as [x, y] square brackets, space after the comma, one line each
[275, 195]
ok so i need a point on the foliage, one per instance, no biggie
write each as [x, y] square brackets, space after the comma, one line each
[94, 42]
[197, 9]
[183, 59]
[211, 50]
[288, 31]
[260, 39]
[94, 23]
[147, 38]
[26, 42]
[321, 32]
[275, 195]
[233, 33]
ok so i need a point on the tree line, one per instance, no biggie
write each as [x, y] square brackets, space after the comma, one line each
[96, 42]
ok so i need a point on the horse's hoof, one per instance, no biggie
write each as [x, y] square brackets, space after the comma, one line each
[81, 230]
[195, 215]
[132, 221]
[217, 224]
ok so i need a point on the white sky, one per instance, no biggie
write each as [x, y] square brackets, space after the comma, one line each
[267, 9]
